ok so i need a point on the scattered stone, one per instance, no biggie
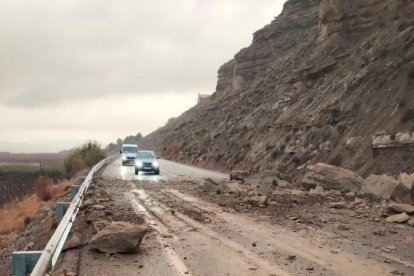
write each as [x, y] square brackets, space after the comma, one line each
[254, 244]
[44, 209]
[102, 194]
[377, 220]
[291, 257]
[282, 183]
[98, 207]
[119, 237]
[331, 177]
[410, 222]
[266, 186]
[388, 261]
[233, 188]
[257, 200]
[296, 192]
[400, 218]
[401, 208]
[239, 175]
[317, 191]
[344, 227]
[30, 245]
[337, 205]
[88, 202]
[350, 195]
[72, 243]
[380, 232]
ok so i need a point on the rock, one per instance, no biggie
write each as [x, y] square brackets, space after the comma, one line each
[257, 200]
[102, 194]
[282, 183]
[410, 222]
[338, 205]
[401, 208]
[239, 175]
[266, 186]
[296, 192]
[209, 185]
[317, 191]
[344, 227]
[331, 177]
[119, 237]
[99, 225]
[71, 274]
[350, 195]
[400, 218]
[406, 179]
[386, 187]
[233, 188]
[73, 242]
[98, 207]
[88, 202]
[376, 220]
[380, 232]
[30, 245]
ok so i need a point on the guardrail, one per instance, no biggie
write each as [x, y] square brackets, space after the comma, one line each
[41, 263]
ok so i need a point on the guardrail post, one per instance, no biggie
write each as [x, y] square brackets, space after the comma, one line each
[23, 262]
[61, 208]
[74, 190]
[81, 179]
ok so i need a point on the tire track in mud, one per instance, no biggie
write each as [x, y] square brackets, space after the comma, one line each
[310, 254]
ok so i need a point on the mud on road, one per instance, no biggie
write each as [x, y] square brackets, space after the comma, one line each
[199, 233]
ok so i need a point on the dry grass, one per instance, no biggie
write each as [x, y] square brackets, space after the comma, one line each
[14, 215]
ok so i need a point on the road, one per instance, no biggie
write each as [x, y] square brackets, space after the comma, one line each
[168, 169]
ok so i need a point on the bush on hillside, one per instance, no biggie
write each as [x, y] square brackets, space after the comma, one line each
[44, 188]
[87, 155]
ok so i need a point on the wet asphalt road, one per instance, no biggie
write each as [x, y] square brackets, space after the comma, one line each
[168, 170]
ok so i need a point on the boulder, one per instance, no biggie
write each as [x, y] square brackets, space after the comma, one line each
[386, 187]
[209, 185]
[400, 218]
[338, 205]
[239, 175]
[282, 183]
[411, 222]
[102, 194]
[89, 202]
[317, 191]
[406, 179]
[257, 200]
[72, 243]
[401, 208]
[119, 237]
[331, 177]
[233, 187]
[296, 192]
[98, 207]
[266, 186]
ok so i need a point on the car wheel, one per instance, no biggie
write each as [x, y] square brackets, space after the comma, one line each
[136, 171]
[157, 172]
[123, 164]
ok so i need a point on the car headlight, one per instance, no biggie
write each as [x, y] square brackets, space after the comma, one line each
[155, 164]
[138, 163]
[124, 158]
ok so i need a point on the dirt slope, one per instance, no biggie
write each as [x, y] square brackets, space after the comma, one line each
[314, 86]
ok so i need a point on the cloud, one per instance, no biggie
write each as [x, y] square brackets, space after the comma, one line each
[59, 51]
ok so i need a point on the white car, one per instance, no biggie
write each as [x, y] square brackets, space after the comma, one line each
[129, 152]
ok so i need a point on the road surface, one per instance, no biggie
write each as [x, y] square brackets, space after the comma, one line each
[168, 169]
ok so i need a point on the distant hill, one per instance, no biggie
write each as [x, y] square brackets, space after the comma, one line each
[33, 157]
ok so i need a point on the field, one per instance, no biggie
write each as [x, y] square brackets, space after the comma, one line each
[18, 173]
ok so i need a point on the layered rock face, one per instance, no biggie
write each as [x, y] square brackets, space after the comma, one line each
[315, 85]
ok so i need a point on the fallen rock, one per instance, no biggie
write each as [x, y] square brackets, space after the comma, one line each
[350, 195]
[266, 186]
[102, 194]
[337, 205]
[317, 191]
[344, 227]
[99, 225]
[400, 218]
[239, 175]
[233, 188]
[296, 192]
[209, 185]
[72, 243]
[386, 187]
[401, 208]
[88, 202]
[119, 237]
[380, 232]
[282, 183]
[98, 207]
[257, 200]
[410, 222]
[406, 179]
[331, 177]
[44, 209]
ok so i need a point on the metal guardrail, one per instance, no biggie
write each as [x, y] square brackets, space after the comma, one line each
[51, 253]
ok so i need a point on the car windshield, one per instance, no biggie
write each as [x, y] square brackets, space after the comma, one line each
[129, 150]
[145, 155]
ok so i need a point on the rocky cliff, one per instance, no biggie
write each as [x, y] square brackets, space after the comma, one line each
[314, 86]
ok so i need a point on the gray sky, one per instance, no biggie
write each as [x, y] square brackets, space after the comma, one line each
[77, 70]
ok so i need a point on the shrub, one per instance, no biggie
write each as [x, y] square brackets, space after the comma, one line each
[44, 188]
[27, 221]
[87, 155]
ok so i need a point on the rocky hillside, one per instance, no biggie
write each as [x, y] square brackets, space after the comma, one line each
[314, 86]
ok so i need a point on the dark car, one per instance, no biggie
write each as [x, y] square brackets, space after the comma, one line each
[146, 161]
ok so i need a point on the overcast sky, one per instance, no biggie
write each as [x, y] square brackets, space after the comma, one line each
[77, 70]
